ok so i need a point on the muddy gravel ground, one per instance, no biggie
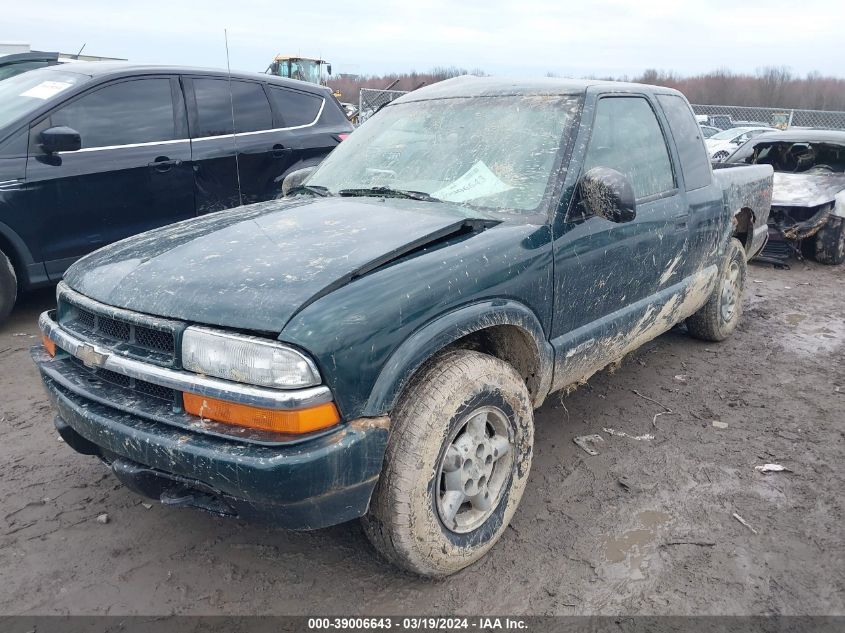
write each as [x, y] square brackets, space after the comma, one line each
[648, 526]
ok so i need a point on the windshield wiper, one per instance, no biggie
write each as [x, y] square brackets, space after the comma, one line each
[390, 193]
[317, 190]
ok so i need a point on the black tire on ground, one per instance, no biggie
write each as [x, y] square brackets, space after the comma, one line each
[8, 287]
[453, 400]
[830, 242]
[718, 318]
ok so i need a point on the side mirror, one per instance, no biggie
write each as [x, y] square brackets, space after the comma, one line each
[329, 69]
[295, 178]
[60, 139]
[608, 193]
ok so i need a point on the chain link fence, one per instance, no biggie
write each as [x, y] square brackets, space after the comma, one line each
[724, 117]
[371, 99]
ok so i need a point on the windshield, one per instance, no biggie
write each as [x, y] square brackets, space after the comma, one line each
[728, 135]
[302, 69]
[25, 92]
[491, 152]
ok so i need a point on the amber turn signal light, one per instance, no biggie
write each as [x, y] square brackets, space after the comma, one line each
[48, 344]
[299, 421]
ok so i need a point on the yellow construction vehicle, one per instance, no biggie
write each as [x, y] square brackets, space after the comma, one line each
[303, 68]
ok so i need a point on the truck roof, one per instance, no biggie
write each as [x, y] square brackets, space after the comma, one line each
[471, 86]
[125, 69]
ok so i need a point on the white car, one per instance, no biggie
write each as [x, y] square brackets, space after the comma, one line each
[723, 144]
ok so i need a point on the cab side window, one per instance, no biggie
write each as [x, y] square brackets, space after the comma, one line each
[135, 111]
[216, 98]
[296, 108]
[627, 137]
[691, 151]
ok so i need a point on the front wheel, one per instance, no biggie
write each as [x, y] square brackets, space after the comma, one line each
[830, 242]
[456, 465]
[718, 318]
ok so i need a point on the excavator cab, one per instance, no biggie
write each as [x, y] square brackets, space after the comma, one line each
[301, 68]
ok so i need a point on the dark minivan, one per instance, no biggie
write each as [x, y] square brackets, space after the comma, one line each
[93, 152]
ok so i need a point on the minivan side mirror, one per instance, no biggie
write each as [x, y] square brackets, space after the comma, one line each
[60, 139]
[295, 178]
[609, 194]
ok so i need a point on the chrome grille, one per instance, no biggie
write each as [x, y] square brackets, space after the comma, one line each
[132, 334]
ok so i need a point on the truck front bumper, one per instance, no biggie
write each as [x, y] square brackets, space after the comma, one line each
[305, 485]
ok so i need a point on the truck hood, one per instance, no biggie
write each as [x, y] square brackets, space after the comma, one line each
[254, 267]
[806, 190]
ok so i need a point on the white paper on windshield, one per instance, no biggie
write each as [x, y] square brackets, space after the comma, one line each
[477, 182]
[46, 89]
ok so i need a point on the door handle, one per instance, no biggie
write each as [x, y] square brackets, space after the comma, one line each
[680, 220]
[164, 164]
[280, 151]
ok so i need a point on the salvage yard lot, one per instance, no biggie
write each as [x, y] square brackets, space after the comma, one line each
[647, 526]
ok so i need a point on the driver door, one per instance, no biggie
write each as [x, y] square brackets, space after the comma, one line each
[607, 273]
[133, 172]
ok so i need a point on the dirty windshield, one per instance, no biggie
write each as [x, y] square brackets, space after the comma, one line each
[491, 152]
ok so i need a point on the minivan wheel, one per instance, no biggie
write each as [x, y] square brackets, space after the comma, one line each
[8, 287]
[718, 318]
[456, 465]
[830, 242]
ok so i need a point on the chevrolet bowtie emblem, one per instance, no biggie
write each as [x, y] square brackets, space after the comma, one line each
[90, 356]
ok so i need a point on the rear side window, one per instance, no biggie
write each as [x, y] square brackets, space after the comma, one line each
[627, 137]
[215, 103]
[136, 111]
[296, 108]
[688, 140]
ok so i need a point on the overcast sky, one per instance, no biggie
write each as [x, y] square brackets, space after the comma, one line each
[530, 38]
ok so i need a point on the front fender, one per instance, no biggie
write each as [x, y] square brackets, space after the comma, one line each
[446, 329]
[31, 273]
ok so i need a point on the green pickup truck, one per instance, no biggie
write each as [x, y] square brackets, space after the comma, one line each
[374, 344]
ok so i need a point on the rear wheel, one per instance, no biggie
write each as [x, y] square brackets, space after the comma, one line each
[830, 242]
[456, 464]
[718, 318]
[8, 287]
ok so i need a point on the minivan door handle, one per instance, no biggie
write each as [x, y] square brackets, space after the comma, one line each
[164, 164]
[280, 151]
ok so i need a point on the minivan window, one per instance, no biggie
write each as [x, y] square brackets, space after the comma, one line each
[687, 133]
[627, 137]
[28, 91]
[135, 111]
[215, 103]
[297, 108]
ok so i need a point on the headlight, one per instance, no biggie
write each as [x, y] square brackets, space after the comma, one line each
[246, 359]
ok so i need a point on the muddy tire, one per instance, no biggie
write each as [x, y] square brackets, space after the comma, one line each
[718, 318]
[8, 287]
[830, 242]
[456, 465]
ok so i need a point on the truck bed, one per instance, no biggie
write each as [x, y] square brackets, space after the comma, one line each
[747, 188]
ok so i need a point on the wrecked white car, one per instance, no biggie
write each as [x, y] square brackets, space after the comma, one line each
[808, 200]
